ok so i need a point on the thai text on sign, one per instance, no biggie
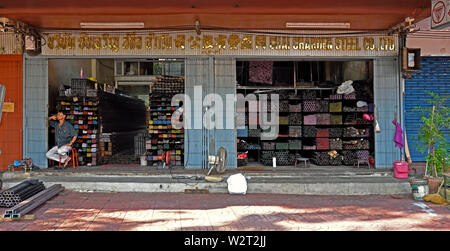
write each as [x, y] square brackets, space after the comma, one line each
[213, 43]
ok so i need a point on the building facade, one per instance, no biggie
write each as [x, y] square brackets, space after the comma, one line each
[211, 56]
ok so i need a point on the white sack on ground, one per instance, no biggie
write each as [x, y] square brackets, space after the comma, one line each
[237, 184]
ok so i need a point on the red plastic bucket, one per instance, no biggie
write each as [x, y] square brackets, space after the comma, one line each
[401, 169]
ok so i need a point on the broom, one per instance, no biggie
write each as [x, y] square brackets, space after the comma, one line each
[436, 197]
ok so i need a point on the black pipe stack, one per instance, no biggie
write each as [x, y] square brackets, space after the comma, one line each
[20, 192]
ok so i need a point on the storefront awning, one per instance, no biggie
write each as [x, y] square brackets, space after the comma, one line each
[240, 14]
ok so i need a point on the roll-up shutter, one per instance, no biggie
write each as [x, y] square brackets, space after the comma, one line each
[433, 77]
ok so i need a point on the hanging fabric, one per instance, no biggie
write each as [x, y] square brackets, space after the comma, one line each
[376, 125]
[398, 137]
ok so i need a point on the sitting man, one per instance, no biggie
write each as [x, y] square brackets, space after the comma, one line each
[65, 136]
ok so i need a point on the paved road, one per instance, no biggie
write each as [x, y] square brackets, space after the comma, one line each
[171, 211]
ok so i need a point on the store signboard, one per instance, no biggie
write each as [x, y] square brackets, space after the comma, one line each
[440, 14]
[219, 43]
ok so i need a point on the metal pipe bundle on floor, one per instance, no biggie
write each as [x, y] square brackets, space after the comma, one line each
[20, 192]
[33, 202]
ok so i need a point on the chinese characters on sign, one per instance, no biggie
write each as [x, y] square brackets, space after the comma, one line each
[212, 43]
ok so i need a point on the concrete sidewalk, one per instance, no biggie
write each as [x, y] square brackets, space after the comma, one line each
[302, 181]
[223, 212]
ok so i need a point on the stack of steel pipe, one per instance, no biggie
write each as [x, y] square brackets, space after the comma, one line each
[33, 202]
[20, 192]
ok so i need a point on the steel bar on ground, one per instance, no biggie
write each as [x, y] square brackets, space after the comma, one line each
[35, 201]
[31, 192]
[20, 186]
[39, 201]
[13, 199]
[18, 205]
[29, 188]
[27, 202]
[28, 193]
[38, 198]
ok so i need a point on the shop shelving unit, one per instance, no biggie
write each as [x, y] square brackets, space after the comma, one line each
[106, 122]
[83, 115]
[347, 134]
[163, 137]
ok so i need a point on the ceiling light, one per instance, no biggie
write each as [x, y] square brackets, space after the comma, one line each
[318, 25]
[136, 25]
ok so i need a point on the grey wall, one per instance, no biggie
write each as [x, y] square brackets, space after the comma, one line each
[355, 70]
[105, 70]
[198, 73]
[60, 72]
[386, 90]
[35, 142]
[225, 83]
[215, 76]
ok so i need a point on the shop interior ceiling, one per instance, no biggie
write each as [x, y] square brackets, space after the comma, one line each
[236, 14]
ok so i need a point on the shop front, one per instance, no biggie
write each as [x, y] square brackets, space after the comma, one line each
[318, 95]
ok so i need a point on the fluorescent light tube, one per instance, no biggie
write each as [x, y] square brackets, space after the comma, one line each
[318, 25]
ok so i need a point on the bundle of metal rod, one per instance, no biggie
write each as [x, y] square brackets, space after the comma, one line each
[33, 202]
[20, 192]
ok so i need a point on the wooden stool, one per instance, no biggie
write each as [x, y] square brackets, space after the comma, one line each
[305, 160]
[73, 158]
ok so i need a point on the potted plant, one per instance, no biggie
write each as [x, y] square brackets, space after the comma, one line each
[435, 119]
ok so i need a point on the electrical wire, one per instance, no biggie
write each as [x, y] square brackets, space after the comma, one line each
[298, 33]
[431, 36]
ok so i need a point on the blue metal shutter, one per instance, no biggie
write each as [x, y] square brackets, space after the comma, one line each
[434, 77]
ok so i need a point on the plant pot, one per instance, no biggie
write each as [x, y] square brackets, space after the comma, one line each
[442, 192]
[419, 188]
[433, 183]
